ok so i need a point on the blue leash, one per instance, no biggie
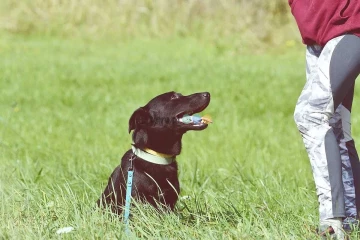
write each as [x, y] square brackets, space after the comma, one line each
[128, 193]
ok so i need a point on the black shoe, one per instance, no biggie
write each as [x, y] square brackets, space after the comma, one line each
[324, 233]
[329, 233]
[351, 224]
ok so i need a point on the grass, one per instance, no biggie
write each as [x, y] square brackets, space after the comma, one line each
[64, 110]
[224, 22]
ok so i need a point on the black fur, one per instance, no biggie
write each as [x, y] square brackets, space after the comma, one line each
[156, 127]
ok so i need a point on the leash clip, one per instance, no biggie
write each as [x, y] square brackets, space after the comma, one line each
[131, 159]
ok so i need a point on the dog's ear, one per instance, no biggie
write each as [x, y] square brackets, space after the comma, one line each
[141, 117]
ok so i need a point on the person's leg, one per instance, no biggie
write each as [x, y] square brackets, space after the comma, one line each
[351, 166]
[344, 67]
[323, 92]
[341, 125]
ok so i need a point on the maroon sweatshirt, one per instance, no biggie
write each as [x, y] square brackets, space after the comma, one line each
[321, 20]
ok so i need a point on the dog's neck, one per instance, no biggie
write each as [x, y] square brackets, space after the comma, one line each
[160, 142]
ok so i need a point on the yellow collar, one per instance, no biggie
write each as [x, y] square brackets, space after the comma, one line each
[148, 150]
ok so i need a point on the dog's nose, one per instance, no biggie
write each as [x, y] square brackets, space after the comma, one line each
[206, 94]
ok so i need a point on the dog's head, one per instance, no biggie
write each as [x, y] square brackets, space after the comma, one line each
[160, 117]
[163, 112]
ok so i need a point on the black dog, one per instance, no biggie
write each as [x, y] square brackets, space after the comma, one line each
[156, 143]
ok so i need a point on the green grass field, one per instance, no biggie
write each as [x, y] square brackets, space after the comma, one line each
[64, 110]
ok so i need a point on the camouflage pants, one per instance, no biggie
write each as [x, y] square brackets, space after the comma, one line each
[322, 115]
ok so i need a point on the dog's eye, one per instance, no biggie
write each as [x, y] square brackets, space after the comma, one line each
[174, 96]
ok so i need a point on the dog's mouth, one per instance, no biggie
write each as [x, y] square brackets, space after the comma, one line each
[192, 119]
